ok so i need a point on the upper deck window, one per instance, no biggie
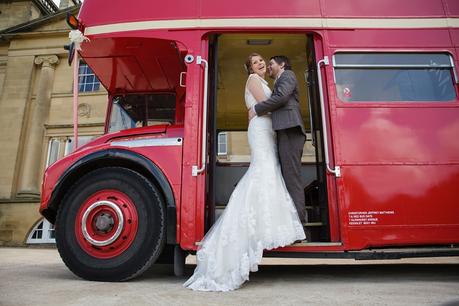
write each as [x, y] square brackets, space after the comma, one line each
[391, 77]
[140, 110]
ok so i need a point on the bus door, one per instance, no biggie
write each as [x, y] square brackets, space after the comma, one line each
[229, 154]
[320, 194]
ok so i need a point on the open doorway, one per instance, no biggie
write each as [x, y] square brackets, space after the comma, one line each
[230, 153]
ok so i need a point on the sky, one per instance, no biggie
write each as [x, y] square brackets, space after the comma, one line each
[58, 1]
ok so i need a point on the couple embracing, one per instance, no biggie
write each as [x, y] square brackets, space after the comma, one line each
[266, 209]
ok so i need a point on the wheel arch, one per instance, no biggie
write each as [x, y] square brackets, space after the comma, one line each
[119, 158]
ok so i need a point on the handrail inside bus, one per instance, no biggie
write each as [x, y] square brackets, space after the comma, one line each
[336, 170]
[311, 121]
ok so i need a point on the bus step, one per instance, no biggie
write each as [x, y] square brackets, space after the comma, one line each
[316, 244]
[313, 213]
[312, 230]
[308, 207]
[302, 243]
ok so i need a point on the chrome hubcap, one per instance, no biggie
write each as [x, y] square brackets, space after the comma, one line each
[104, 222]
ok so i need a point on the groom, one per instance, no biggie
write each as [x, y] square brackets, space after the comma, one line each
[284, 106]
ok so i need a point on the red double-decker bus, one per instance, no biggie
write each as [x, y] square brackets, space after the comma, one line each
[379, 97]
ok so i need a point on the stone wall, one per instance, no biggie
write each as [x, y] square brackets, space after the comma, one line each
[16, 12]
[16, 221]
[35, 107]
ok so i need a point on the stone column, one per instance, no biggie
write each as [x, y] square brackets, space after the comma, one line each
[29, 180]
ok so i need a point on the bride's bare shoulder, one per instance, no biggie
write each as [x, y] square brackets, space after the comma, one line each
[253, 76]
[253, 79]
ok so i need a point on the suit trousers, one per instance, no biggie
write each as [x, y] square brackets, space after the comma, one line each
[290, 143]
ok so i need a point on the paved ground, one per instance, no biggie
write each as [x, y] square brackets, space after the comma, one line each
[30, 276]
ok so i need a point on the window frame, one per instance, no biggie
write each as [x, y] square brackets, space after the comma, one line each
[82, 76]
[51, 141]
[46, 230]
[64, 147]
[225, 134]
[394, 104]
[68, 144]
[110, 109]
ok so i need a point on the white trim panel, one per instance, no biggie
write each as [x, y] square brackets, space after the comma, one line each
[345, 23]
[148, 142]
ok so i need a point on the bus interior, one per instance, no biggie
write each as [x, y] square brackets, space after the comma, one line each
[228, 120]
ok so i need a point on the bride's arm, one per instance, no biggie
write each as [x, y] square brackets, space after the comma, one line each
[256, 88]
[285, 87]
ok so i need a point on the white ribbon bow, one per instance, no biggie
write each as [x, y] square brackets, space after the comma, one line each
[77, 37]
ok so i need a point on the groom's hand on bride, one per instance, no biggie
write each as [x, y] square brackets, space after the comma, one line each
[251, 113]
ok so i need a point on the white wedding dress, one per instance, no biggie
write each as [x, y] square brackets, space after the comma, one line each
[260, 215]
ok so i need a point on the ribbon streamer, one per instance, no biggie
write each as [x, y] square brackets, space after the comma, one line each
[77, 38]
[75, 99]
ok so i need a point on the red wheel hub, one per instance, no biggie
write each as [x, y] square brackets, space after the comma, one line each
[106, 224]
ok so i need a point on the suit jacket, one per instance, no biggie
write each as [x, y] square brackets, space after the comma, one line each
[284, 103]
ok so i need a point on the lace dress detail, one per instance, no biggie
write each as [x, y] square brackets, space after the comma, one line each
[260, 215]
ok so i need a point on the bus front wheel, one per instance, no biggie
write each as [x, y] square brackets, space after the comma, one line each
[111, 225]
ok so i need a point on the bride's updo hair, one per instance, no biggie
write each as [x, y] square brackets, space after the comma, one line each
[248, 63]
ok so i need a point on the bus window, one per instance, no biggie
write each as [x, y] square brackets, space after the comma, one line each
[391, 77]
[140, 110]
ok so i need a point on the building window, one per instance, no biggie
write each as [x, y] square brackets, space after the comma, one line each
[43, 232]
[53, 151]
[62, 146]
[70, 144]
[87, 80]
[392, 77]
[222, 143]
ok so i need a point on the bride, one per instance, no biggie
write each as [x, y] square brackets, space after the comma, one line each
[260, 213]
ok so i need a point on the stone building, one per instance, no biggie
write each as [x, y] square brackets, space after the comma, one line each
[36, 109]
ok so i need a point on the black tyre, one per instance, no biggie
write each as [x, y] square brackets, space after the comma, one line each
[111, 225]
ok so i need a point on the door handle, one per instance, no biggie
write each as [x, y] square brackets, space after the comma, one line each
[336, 170]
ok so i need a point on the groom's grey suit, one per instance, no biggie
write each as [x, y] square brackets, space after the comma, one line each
[287, 122]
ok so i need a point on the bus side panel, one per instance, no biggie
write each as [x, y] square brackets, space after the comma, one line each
[398, 134]
[369, 39]
[455, 41]
[400, 172]
[368, 9]
[396, 205]
[139, 10]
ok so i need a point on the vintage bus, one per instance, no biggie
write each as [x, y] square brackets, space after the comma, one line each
[379, 98]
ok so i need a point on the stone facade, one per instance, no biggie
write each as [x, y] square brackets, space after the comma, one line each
[16, 12]
[35, 110]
